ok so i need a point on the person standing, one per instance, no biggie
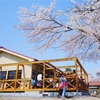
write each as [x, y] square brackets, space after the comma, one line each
[63, 86]
[39, 80]
[39, 77]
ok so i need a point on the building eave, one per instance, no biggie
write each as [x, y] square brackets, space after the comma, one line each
[17, 54]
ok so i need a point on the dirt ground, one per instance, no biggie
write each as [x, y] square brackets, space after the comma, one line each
[50, 98]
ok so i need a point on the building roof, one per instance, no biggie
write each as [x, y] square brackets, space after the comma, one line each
[94, 83]
[16, 54]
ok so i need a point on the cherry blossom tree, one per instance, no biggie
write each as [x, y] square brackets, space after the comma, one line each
[74, 30]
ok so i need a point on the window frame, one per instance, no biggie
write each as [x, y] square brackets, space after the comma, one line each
[3, 75]
[12, 74]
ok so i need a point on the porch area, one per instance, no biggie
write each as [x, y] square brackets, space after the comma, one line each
[77, 80]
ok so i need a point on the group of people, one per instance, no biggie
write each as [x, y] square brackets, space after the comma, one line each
[62, 87]
[38, 83]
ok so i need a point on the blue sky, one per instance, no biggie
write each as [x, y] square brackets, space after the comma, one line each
[13, 39]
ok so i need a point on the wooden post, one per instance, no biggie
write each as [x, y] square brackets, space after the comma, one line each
[0, 70]
[76, 75]
[81, 72]
[23, 71]
[16, 75]
[17, 72]
[85, 77]
[54, 73]
[54, 76]
[44, 68]
[1, 83]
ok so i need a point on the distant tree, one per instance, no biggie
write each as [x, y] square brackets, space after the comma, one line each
[68, 69]
[76, 30]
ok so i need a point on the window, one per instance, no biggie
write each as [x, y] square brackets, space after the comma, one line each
[12, 74]
[19, 74]
[3, 75]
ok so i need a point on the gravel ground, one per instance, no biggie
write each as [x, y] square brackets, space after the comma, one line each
[50, 98]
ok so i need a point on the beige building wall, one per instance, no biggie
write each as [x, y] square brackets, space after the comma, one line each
[9, 58]
[6, 58]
